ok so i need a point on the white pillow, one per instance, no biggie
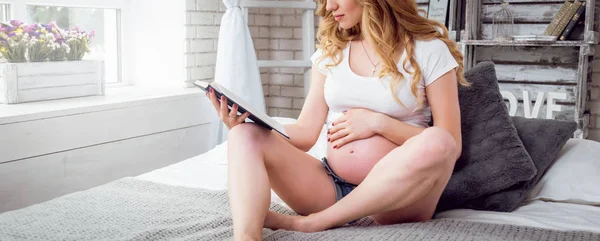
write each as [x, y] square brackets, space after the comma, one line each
[320, 148]
[574, 177]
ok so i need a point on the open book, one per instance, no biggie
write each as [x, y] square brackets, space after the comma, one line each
[243, 107]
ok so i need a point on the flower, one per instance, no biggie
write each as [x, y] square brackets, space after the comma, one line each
[13, 41]
[16, 23]
[79, 42]
[41, 42]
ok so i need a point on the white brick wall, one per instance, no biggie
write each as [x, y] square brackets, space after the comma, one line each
[202, 31]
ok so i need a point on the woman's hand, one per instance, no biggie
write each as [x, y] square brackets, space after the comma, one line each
[354, 125]
[230, 118]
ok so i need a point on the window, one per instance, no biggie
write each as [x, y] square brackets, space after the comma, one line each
[101, 16]
[4, 12]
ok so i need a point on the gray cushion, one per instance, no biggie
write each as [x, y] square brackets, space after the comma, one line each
[543, 140]
[493, 157]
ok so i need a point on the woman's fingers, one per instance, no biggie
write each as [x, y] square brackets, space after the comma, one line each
[224, 112]
[337, 135]
[343, 141]
[229, 117]
[243, 117]
[336, 128]
[234, 110]
[213, 99]
[340, 120]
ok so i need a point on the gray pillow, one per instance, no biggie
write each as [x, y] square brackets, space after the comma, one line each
[493, 157]
[543, 140]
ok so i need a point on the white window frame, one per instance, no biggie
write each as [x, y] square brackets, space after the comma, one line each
[18, 10]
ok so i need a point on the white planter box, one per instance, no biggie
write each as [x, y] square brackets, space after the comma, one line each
[26, 82]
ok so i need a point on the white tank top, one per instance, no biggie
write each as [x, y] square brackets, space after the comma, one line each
[345, 90]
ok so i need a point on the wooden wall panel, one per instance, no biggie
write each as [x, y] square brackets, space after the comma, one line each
[540, 73]
[565, 113]
[528, 72]
[557, 56]
[524, 13]
[530, 16]
[423, 6]
[520, 29]
[532, 90]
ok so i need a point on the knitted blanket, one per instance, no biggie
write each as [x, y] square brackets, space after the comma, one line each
[131, 209]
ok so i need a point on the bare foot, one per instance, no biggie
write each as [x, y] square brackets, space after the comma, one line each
[276, 221]
[307, 224]
[248, 238]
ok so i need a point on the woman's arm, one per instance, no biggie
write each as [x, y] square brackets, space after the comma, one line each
[305, 132]
[445, 111]
[394, 130]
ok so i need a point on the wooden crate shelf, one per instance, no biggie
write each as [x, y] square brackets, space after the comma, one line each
[556, 61]
[525, 43]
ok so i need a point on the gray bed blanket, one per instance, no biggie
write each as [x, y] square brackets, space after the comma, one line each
[131, 209]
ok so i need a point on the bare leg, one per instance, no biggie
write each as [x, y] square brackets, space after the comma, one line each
[410, 177]
[260, 160]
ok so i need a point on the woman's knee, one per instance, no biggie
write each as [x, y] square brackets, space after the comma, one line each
[248, 135]
[436, 145]
[246, 132]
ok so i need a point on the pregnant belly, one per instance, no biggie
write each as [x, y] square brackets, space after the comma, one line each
[353, 161]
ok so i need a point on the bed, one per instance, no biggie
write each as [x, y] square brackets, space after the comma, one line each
[188, 201]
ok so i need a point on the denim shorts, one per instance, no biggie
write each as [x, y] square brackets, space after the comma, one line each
[342, 188]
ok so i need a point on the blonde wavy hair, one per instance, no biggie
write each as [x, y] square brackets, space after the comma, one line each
[394, 25]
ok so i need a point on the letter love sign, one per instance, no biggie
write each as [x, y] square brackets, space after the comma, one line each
[533, 112]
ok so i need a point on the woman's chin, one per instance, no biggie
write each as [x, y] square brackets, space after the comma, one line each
[344, 26]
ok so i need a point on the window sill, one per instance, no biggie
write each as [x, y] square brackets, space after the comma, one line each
[114, 98]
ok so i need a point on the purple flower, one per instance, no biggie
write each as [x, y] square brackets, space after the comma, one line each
[92, 33]
[16, 23]
[47, 27]
[12, 34]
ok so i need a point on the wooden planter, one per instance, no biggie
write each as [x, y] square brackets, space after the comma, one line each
[26, 82]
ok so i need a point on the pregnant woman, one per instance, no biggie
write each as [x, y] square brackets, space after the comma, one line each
[380, 75]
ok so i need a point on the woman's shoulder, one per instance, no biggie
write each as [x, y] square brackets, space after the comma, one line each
[430, 46]
[426, 50]
[321, 62]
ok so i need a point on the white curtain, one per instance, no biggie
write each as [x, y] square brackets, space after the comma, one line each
[236, 67]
